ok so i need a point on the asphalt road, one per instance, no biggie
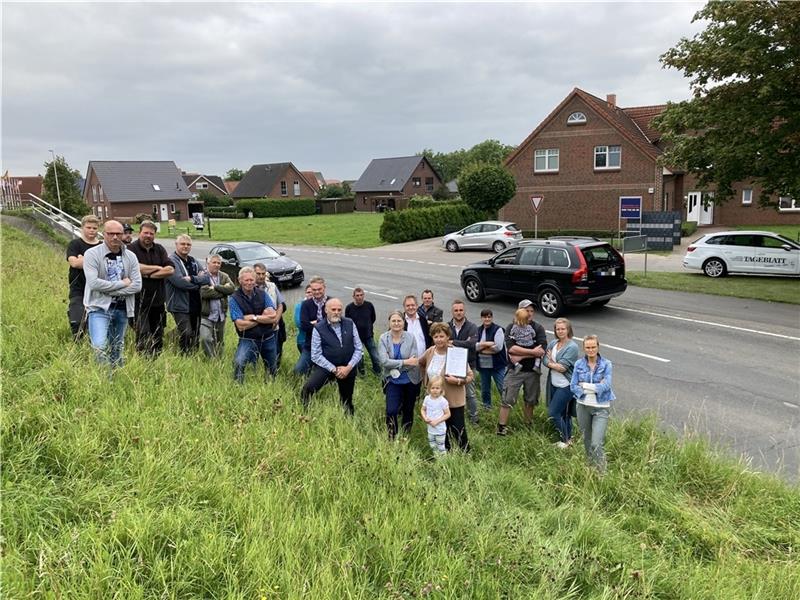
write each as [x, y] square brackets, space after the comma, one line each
[720, 367]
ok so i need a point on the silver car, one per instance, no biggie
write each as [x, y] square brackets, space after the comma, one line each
[486, 235]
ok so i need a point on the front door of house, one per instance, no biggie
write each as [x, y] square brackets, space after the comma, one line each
[702, 214]
[164, 213]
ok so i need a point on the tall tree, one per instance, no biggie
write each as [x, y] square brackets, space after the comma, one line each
[449, 165]
[67, 188]
[743, 122]
[234, 174]
[486, 187]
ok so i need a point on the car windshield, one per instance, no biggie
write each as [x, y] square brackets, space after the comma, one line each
[783, 238]
[256, 253]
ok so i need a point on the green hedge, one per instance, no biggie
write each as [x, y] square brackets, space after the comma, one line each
[688, 228]
[428, 202]
[226, 212]
[421, 223]
[268, 207]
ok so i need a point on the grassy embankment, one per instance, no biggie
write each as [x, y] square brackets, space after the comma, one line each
[773, 289]
[170, 482]
[348, 230]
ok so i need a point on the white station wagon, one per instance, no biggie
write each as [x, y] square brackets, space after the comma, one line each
[759, 252]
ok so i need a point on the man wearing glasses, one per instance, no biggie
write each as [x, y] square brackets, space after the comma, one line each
[112, 281]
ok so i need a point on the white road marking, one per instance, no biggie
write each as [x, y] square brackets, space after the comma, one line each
[625, 350]
[374, 293]
[701, 322]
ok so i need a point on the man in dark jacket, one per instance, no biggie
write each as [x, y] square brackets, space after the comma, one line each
[427, 310]
[465, 335]
[335, 351]
[362, 313]
[155, 266]
[214, 307]
[312, 311]
[183, 293]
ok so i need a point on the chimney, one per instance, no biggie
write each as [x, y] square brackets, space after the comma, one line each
[611, 99]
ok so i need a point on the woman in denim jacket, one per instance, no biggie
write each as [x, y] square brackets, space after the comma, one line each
[591, 386]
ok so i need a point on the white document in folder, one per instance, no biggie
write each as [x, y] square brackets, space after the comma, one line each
[456, 362]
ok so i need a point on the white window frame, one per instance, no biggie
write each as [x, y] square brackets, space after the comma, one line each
[172, 207]
[201, 185]
[547, 154]
[94, 193]
[155, 209]
[577, 118]
[106, 210]
[606, 151]
[747, 196]
[284, 189]
[793, 204]
[296, 188]
[156, 187]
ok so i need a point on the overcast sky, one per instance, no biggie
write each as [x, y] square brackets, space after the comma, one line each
[326, 86]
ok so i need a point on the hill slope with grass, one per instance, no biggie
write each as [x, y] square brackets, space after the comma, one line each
[171, 482]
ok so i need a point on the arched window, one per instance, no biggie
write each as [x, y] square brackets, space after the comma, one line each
[576, 118]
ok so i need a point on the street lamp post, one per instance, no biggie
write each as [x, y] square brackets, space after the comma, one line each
[55, 172]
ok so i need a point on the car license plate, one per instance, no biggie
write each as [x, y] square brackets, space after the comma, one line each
[284, 277]
[609, 273]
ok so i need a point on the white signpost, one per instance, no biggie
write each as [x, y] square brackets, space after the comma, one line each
[536, 202]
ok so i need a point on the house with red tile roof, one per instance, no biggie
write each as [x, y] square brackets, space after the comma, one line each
[589, 152]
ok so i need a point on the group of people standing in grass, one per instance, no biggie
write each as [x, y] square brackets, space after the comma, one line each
[113, 281]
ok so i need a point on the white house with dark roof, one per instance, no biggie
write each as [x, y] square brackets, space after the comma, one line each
[122, 189]
[391, 182]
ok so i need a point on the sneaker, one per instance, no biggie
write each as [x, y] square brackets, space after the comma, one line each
[502, 429]
[561, 445]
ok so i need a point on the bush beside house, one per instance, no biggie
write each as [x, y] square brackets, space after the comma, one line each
[421, 223]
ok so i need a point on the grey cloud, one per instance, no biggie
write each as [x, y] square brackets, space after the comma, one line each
[327, 86]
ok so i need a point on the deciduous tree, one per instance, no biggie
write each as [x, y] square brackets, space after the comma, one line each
[67, 188]
[234, 174]
[486, 187]
[743, 122]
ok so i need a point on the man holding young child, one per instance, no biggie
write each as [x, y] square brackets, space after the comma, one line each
[526, 341]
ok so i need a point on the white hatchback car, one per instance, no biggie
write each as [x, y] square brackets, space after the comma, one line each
[486, 235]
[759, 252]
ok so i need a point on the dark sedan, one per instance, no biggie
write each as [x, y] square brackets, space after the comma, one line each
[282, 270]
[555, 273]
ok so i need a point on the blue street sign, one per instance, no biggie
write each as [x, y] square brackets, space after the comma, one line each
[630, 207]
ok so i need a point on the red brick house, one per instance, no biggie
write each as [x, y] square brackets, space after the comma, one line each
[391, 182]
[212, 184]
[589, 152]
[17, 189]
[123, 189]
[275, 180]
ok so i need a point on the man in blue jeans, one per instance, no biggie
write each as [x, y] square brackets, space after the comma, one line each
[254, 316]
[112, 281]
[312, 311]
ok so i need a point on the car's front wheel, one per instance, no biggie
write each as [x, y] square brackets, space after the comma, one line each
[715, 267]
[473, 289]
[550, 302]
[451, 246]
[498, 246]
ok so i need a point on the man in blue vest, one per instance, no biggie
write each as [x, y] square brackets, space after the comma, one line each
[335, 352]
[254, 316]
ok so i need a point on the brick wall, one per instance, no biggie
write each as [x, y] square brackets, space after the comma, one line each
[579, 196]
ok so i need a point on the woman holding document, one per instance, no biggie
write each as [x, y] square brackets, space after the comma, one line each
[450, 363]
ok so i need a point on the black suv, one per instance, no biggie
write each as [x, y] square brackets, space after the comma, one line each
[282, 270]
[556, 272]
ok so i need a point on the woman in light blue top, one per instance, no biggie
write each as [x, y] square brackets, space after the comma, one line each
[397, 352]
[591, 386]
[560, 359]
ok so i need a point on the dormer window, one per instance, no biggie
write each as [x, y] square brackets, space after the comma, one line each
[576, 118]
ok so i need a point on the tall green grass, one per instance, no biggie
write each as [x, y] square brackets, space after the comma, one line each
[171, 482]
